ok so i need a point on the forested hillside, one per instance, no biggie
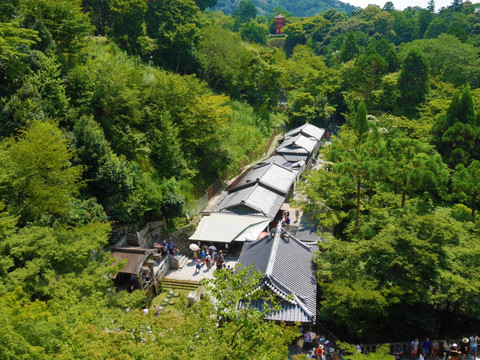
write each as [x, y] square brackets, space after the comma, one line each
[296, 8]
[131, 108]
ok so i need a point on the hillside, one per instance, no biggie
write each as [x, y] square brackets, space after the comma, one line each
[297, 8]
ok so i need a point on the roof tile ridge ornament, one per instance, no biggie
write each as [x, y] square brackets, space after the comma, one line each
[303, 306]
[273, 251]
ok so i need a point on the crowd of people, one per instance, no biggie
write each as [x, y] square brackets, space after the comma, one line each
[317, 347]
[209, 257]
[439, 350]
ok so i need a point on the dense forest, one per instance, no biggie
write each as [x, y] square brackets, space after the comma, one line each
[128, 109]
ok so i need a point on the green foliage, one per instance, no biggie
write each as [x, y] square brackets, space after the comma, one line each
[61, 22]
[450, 59]
[289, 8]
[466, 185]
[12, 36]
[127, 21]
[175, 26]
[41, 96]
[455, 133]
[413, 80]
[245, 12]
[369, 69]
[363, 281]
[39, 177]
[360, 124]
[241, 325]
[350, 48]
[392, 61]
[254, 32]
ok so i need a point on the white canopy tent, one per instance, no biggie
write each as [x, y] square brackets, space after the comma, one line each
[225, 228]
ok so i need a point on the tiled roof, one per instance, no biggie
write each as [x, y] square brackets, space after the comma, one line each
[294, 163]
[257, 199]
[272, 176]
[297, 145]
[307, 130]
[288, 272]
[135, 256]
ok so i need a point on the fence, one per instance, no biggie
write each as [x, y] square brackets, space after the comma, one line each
[270, 142]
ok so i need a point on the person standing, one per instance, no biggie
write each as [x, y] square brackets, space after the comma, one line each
[454, 352]
[446, 349]
[414, 349]
[335, 355]
[170, 247]
[426, 344]
[473, 346]
[208, 261]
[307, 339]
[464, 347]
[435, 349]
[398, 352]
[319, 352]
[198, 265]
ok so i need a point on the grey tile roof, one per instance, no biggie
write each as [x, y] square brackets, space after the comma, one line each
[297, 145]
[288, 271]
[307, 130]
[257, 199]
[272, 176]
[294, 163]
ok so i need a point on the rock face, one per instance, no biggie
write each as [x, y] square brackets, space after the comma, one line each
[129, 235]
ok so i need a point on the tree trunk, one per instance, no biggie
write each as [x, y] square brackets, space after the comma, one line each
[403, 198]
[474, 198]
[404, 193]
[357, 212]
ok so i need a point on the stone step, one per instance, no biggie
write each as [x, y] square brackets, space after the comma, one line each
[180, 284]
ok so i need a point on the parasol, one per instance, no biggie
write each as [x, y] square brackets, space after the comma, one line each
[194, 247]
[211, 247]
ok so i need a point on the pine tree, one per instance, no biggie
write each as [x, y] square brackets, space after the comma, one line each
[360, 125]
[350, 49]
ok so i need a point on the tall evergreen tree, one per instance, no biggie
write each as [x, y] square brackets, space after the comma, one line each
[360, 125]
[413, 80]
[456, 132]
[350, 49]
[392, 61]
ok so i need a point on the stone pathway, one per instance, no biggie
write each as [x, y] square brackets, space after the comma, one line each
[188, 271]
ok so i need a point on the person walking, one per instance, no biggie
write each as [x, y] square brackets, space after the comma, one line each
[198, 265]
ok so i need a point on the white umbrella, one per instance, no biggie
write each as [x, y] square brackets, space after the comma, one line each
[194, 247]
[211, 247]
